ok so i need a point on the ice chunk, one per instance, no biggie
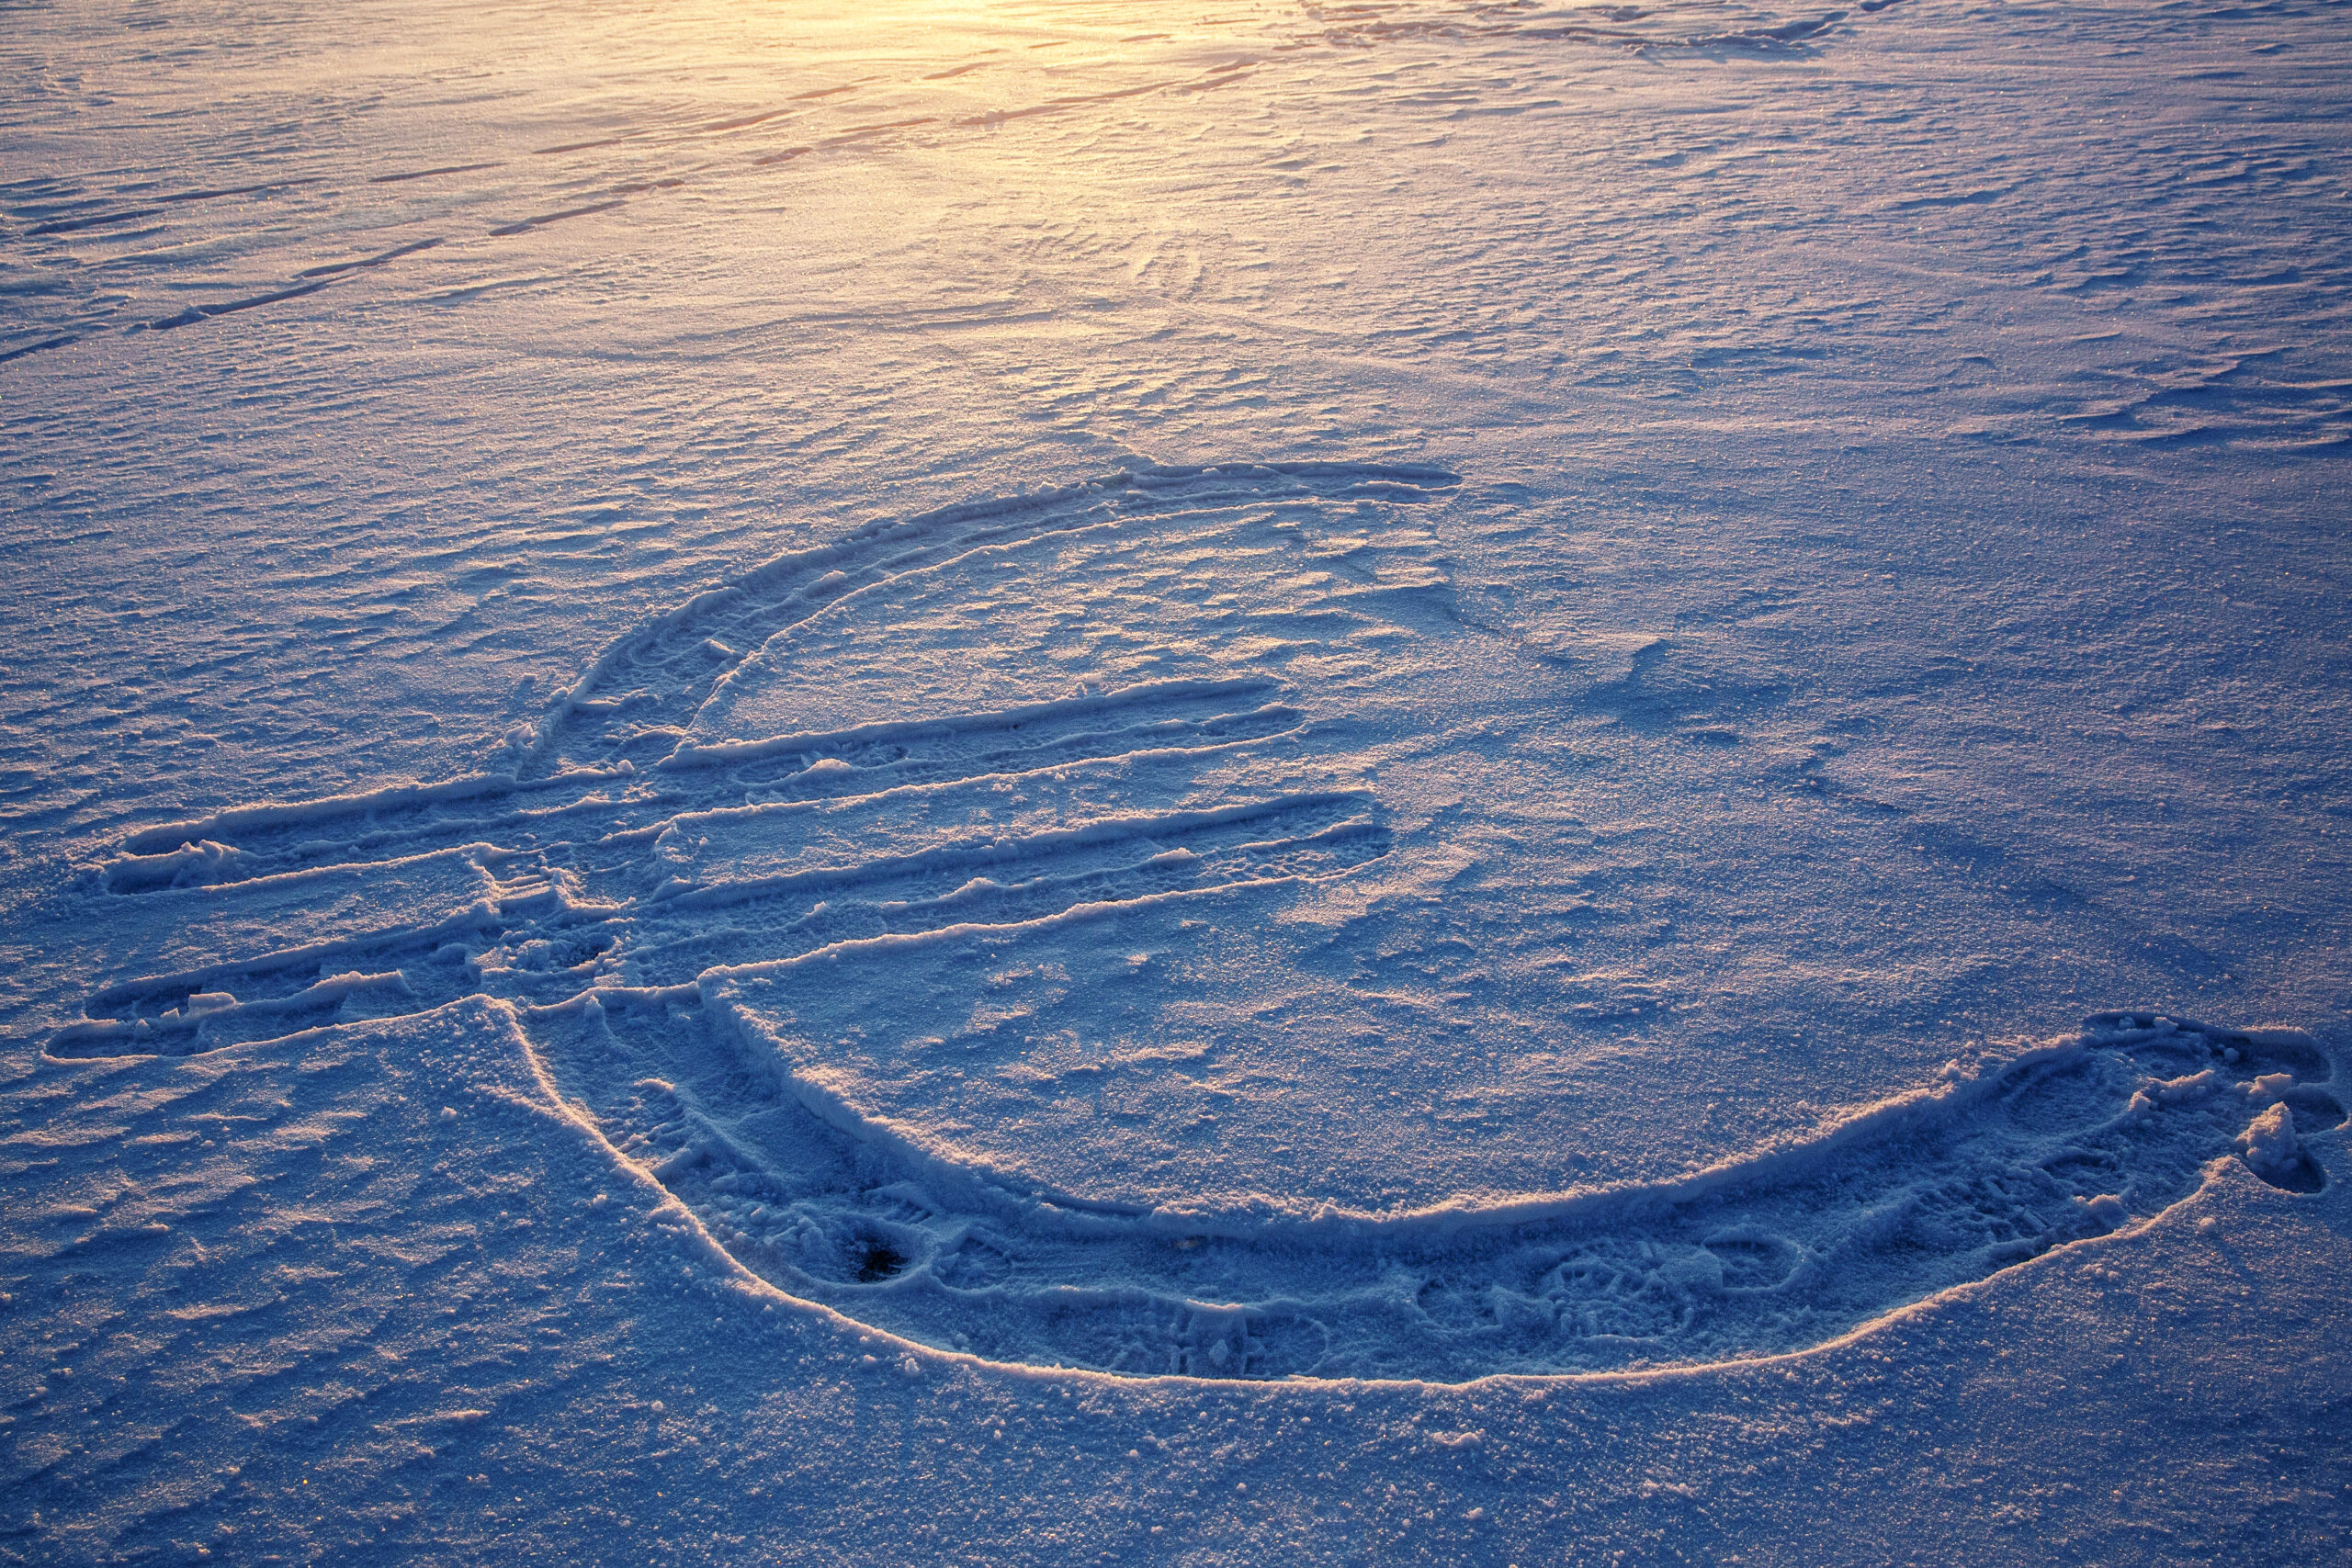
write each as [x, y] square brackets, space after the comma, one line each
[2106, 1209]
[2176, 1091]
[2271, 1149]
[2270, 1088]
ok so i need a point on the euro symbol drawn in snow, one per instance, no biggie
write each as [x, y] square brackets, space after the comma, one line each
[838, 891]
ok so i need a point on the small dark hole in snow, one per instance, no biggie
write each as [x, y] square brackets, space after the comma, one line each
[879, 1260]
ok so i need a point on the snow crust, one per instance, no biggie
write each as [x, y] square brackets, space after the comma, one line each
[1083, 782]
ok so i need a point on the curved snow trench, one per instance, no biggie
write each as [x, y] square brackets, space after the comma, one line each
[1071, 716]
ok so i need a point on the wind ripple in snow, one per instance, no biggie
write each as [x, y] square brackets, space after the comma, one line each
[43, 219]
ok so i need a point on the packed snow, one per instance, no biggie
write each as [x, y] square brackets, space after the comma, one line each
[1092, 782]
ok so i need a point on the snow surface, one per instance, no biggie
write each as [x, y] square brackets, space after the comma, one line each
[1099, 782]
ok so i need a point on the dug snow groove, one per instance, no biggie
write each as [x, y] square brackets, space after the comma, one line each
[816, 889]
[1765, 1256]
[1057, 743]
[633, 703]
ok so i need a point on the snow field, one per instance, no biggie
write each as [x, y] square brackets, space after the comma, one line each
[1424, 783]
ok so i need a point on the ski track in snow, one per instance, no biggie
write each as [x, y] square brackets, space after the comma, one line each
[651, 877]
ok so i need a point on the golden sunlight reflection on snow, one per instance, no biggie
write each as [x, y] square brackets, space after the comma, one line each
[809, 77]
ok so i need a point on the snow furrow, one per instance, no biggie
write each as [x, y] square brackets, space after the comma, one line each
[1766, 1255]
